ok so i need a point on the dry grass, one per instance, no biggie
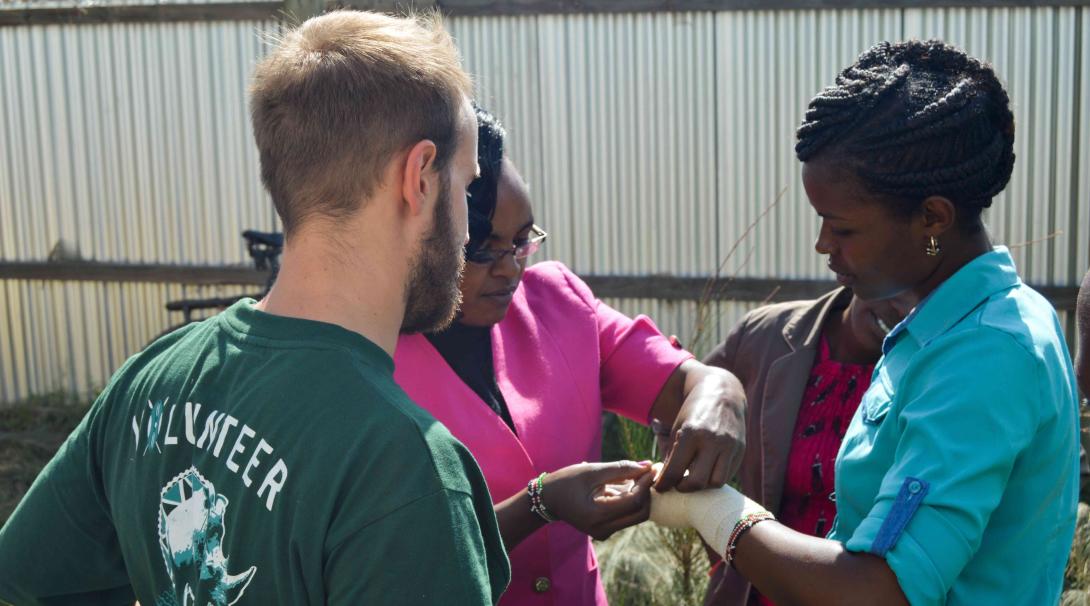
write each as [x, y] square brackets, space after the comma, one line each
[30, 433]
[1077, 575]
[652, 566]
[648, 565]
[642, 566]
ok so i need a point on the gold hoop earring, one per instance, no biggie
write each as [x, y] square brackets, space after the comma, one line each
[933, 249]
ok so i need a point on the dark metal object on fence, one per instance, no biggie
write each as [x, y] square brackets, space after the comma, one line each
[188, 306]
[264, 248]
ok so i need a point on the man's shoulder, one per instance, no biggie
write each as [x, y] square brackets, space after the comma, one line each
[340, 404]
[446, 454]
[388, 421]
[399, 454]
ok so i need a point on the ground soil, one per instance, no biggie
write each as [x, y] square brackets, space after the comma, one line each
[29, 437]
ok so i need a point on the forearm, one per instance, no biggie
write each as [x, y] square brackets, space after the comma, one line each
[693, 379]
[788, 567]
[713, 384]
[792, 568]
[671, 396]
[516, 520]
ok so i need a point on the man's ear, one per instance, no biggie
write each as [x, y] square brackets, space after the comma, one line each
[420, 180]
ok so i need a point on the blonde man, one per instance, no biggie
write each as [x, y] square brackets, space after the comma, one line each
[266, 453]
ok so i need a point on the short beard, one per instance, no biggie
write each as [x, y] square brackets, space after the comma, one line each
[434, 295]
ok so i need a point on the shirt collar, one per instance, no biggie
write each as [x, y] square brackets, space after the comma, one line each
[960, 294]
[807, 323]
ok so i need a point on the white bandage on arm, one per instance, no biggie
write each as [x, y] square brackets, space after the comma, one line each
[713, 512]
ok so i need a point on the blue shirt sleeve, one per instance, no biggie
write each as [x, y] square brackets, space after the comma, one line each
[965, 410]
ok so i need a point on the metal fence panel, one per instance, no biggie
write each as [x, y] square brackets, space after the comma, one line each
[130, 141]
[770, 64]
[34, 4]
[651, 142]
[623, 127]
[71, 336]
[1034, 52]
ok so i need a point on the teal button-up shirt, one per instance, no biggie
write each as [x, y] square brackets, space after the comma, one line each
[961, 466]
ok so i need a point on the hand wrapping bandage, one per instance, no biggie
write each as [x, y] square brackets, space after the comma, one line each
[713, 512]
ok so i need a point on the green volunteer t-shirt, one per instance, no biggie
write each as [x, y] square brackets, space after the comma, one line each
[256, 459]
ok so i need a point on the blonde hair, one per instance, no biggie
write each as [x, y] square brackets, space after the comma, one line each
[340, 95]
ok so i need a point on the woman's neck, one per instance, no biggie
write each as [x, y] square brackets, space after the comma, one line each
[955, 254]
[845, 346]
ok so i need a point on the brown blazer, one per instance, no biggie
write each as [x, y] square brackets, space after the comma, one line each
[771, 351]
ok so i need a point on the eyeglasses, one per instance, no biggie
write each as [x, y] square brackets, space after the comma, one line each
[488, 256]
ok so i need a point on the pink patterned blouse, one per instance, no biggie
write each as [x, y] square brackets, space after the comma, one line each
[832, 394]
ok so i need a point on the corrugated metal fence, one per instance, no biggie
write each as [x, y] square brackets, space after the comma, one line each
[651, 143]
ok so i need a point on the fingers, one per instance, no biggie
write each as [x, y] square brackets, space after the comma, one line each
[734, 461]
[617, 471]
[676, 464]
[700, 471]
[710, 468]
[614, 490]
[638, 499]
[643, 484]
[722, 471]
[622, 502]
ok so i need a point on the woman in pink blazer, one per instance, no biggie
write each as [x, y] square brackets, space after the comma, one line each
[522, 378]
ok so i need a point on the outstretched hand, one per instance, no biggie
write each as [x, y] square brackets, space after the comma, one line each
[600, 498]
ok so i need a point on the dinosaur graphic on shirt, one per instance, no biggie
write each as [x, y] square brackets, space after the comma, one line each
[191, 530]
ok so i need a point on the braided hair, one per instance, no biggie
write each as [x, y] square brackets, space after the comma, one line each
[483, 190]
[916, 119]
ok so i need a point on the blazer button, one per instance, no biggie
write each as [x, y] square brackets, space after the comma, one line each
[542, 584]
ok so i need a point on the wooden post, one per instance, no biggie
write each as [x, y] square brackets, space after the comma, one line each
[666, 287]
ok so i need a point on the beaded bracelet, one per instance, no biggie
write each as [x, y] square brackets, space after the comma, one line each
[536, 489]
[740, 528]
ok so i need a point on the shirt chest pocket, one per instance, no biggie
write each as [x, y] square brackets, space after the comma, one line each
[878, 400]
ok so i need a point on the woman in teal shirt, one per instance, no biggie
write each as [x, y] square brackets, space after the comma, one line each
[957, 479]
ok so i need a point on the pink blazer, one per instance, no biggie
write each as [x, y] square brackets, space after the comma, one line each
[561, 357]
